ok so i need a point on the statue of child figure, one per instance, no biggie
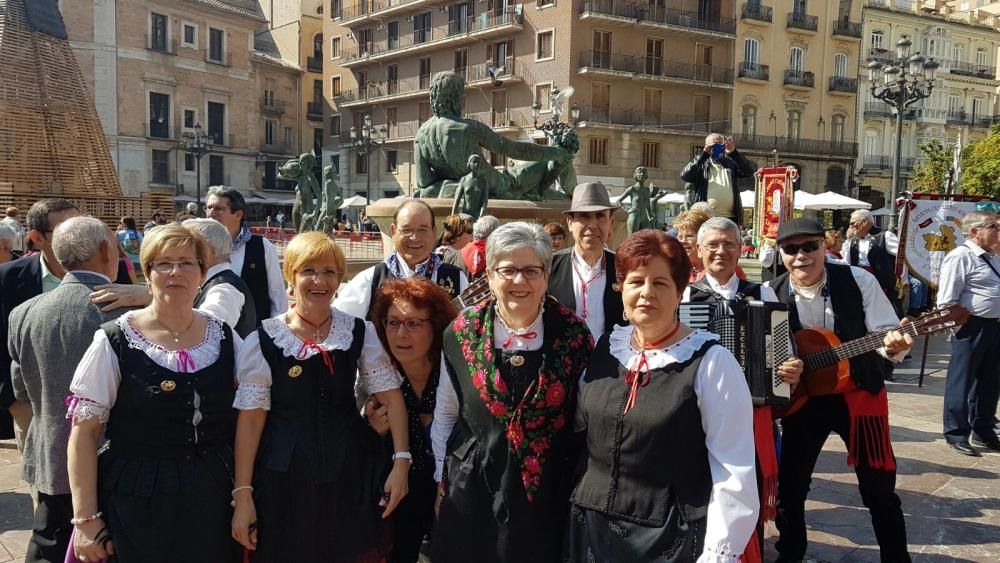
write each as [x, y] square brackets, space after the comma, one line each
[472, 195]
[642, 210]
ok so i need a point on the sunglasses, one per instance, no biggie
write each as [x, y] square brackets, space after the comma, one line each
[807, 247]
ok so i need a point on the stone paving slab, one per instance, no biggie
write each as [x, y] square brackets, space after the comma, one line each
[951, 502]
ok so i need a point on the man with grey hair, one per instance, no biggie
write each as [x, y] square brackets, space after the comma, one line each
[874, 250]
[719, 244]
[48, 337]
[473, 256]
[8, 238]
[223, 294]
[712, 176]
[970, 277]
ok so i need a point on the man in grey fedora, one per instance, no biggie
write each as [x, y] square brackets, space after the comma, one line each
[583, 277]
[48, 336]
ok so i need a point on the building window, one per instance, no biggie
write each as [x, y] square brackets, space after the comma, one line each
[216, 45]
[317, 141]
[982, 58]
[872, 145]
[837, 127]
[958, 53]
[334, 86]
[423, 112]
[796, 59]
[390, 161]
[651, 155]
[161, 167]
[878, 40]
[599, 151]
[190, 119]
[361, 163]
[543, 96]
[794, 125]
[543, 45]
[751, 51]
[424, 73]
[289, 139]
[335, 162]
[954, 104]
[270, 131]
[190, 35]
[217, 122]
[335, 125]
[159, 37]
[840, 65]
[977, 107]
[216, 170]
[748, 120]
[159, 115]
[600, 102]
[334, 47]
[189, 164]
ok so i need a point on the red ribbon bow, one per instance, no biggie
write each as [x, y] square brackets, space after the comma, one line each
[523, 336]
[312, 345]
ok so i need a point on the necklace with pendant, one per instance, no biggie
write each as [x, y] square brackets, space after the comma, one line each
[317, 328]
[176, 335]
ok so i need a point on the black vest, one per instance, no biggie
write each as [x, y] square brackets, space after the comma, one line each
[313, 412]
[255, 275]
[151, 419]
[701, 291]
[248, 315]
[448, 277]
[637, 461]
[847, 303]
[882, 263]
[561, 287]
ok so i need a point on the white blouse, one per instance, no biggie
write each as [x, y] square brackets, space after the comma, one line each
[254, 374]
[446, 410]
[727, 418]
[97, 377]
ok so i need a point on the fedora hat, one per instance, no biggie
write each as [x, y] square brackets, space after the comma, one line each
[589, 197]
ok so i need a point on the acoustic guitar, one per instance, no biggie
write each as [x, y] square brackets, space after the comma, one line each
[474, 293]
[827, 369]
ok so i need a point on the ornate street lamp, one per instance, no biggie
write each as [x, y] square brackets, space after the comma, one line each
[197, 144]
[554, 127]
[904, 81]
[367, 141]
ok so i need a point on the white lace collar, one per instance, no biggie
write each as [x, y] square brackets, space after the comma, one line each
[340, 338]
[200, 355]
[620, 342]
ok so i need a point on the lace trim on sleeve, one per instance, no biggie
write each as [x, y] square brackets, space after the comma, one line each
[81, 409]
[250, 396]
[382, 377]
[719, 554]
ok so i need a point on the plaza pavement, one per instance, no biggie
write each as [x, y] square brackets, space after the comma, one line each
[951, 502]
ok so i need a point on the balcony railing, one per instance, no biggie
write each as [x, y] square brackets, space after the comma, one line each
[314, 64]
[369, 7]
[645, 13]
[375, 91]
[803, 78]
[787, 145]
[884, 162]
[971, 69]
[972, 120]
[800, 20]
[654, 67]
[269, 105]
[502, 119]
[754, 71]
[161, 45]
[847, 28]
[877, 109]
[755, 11]
[633, 117]
[956, 118]
[843, 84]
[277, 147]
[881, 55]
[606, 60]
[430, 35]
[314, 111]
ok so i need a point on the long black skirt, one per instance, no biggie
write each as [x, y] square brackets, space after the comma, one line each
[169, 511]
[594, 537]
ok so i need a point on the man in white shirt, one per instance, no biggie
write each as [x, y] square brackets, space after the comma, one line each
[873, 251]
[11, 220]
[719, 248]
[413, 235]
[223, 294]
[583, 277]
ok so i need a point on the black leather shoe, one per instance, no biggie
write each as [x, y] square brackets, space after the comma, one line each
[963, 448]
[993, 444]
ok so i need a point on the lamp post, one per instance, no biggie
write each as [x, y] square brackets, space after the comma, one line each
[366, 141]
[905, 81]
[197, 144]
[553, 127]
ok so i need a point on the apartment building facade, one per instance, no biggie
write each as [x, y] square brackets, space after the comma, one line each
[795, 97]
[962, 105]
[650, 80]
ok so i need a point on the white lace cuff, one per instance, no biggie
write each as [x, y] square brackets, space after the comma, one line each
[383, 377]
[82, 409]
[720, 554]
[250, 396]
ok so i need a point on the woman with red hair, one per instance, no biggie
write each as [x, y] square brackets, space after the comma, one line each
[669, 428]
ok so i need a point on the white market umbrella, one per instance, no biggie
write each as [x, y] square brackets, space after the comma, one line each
[672, 197]
[748, 198]
[829, 200]
[881, 212]
[354, 201]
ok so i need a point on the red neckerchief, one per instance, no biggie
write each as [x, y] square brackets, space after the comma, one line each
[639, 375]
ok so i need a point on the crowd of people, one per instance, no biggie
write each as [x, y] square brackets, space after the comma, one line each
[566, 415]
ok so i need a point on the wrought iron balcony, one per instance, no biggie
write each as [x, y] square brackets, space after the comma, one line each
[608, 116]
[956, 118]
[755, 11]
[269, 105]
[847, 29]
[877, 109]
[884, 162]
[881, 55]
[645, 68]
[650, 14]
[843, 84]
[801, 20]
[754, 71]
[314, 64]
[976, 70]
[788, 145]
[314, 111]
[801, 78]
[416, 86]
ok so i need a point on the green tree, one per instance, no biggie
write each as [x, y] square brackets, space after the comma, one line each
[981, 165]
[931, 173]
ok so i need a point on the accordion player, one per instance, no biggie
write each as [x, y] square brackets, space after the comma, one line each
[757, 333]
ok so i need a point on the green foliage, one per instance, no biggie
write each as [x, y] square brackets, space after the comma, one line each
[931, 173]
[981, 165]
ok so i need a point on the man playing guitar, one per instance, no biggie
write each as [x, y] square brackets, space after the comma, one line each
[849, 301]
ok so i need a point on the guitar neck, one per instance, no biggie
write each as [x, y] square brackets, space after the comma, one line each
[473, 294]
[856, 347]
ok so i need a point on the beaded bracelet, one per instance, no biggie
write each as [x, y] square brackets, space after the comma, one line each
[87, 520]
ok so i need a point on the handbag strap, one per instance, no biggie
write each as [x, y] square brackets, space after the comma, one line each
[985, 257]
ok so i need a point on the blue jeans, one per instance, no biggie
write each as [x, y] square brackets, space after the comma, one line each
[973, 385]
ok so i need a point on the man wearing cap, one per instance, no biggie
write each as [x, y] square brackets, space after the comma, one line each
[848, 301]
[583, 277]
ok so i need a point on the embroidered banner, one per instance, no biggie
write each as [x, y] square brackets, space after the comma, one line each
[934, 229]
[774, 199]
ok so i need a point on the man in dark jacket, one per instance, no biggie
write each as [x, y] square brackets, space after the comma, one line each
[712, 176]
[870, 249]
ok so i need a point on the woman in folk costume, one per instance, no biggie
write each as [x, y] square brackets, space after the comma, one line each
[309, 469]
[158, 383]
[502, 433]
[669, 429]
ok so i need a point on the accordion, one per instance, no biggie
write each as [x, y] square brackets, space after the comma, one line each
[758, 335]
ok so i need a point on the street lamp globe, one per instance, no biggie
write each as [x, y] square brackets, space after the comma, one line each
[903, 47]
[916, 63]
[930, 69]
[574, 113]
[874, 71]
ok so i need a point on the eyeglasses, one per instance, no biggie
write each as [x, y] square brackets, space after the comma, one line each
[418, 232]
[317, 274]
[807, 247]
[411, 325]
[528, 272]
[219, 208]
[723, 246]
[167, 267]
[991, 227]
